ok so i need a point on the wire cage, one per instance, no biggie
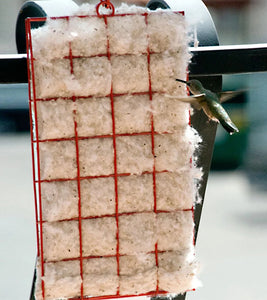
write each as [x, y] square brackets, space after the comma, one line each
[81, 228]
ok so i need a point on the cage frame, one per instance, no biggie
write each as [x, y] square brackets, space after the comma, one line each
[36, 160]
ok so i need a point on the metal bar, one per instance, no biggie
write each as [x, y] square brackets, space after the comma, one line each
[13, 68]
[206, 61]
[236, 59]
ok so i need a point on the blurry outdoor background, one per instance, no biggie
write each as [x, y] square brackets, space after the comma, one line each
[232, 239]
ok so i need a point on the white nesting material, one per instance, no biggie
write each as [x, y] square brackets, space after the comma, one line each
[132, 113]
[51, 125]
[169, 115]
[58, 85]
[132, 264]
[123, 37]
[175, 231]
[63, 281]
[138, 274]
[89, 37]
[129, 74]
[100, 276]
[85, 9]
[166, 155]
[92, 76]
[130, 9]
[97, 197]
[164, 32]
[177, 272]
[135, 193]
[55, 36]
[96, 157]
[138, 283]
[99, 236]
[79, 76]
[137, 233]
[134, 154]
[58, 160]
[93, 116]
[175, 191]
[54, 210]
[61, 240]
[164, 68]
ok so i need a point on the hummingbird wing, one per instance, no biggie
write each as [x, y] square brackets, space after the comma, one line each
[225, 96]
[194, 100]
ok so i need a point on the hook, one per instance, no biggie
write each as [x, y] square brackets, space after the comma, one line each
[107, 4]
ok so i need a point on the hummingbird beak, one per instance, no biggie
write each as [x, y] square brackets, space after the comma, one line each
[183, 81]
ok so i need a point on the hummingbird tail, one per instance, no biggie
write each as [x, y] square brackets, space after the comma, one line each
[229, 126]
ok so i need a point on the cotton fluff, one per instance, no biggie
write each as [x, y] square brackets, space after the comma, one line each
[166, 154]
[99, 237]
[175, 190]
[135, 74]
[54, 155]
[50, 123]
[135, 193]
[169, 115]
[61, 240]
[134, 154]
[97, 197]
[87, 38]
[96, 157]
[61, 274]
[100, 276]
[175, 272]
[55, 36]
[137, 233]
[116, 154]
[58, 85]
[138, 273]
[168, 225]
[93, 116]
[127, 108]
[92, 76]
[133, 29]
[54, 210]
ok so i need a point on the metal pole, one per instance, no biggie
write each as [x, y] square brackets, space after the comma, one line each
[206, 61]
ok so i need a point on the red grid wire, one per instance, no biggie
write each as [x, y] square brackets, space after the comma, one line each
[153, 152]
[36, 162]
[35, 153]
[115, 165]
[78, 177]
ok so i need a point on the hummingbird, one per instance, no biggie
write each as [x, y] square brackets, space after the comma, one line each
[210, 102]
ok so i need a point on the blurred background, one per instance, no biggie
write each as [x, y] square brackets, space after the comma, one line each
[232, 239]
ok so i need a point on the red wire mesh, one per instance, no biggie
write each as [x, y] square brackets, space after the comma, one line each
[36, 142]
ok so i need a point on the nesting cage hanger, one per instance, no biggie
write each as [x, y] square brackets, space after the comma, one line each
[106, 4]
